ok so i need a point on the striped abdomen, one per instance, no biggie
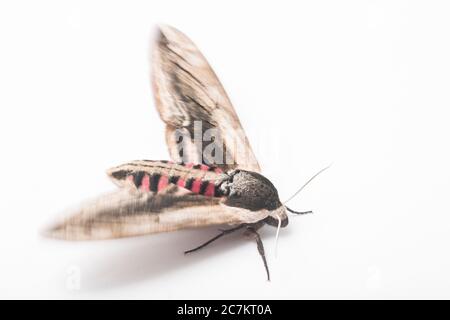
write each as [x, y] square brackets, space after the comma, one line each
[154, 176]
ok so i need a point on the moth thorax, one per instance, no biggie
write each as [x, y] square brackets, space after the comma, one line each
[250, 190]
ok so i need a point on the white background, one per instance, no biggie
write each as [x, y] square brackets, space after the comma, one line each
[360, 84]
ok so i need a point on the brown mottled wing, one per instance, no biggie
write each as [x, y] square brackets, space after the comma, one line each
[189, 96]
[125, 213]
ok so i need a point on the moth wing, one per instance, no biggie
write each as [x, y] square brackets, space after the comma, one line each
[189, 96]
[125, 214]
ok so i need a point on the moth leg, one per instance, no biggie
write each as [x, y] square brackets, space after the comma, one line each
[222, 233]
[260, 246]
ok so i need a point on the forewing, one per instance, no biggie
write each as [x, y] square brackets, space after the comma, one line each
[125, 213]
[191, 101]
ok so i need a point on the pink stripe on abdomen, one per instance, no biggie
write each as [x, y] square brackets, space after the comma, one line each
[196, 184]
[145, 184]
[163, 182]
[181, 183]
[210, 190]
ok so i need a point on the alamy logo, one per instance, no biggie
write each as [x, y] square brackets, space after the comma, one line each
[204, 143]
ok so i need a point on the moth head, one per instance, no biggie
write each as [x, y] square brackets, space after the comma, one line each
[276, 217]
[253, 191]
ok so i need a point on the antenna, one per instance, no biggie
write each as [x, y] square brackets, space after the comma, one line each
[302, 187]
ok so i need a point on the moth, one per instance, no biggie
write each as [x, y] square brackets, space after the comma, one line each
[213, 177]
